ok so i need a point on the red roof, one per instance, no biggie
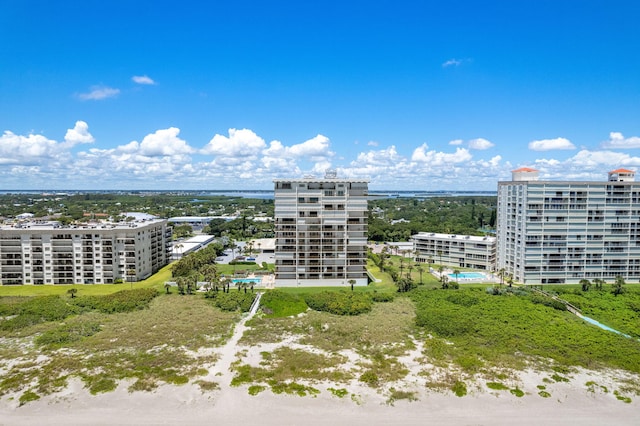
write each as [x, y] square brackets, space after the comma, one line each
[621, 171]
[524, 169]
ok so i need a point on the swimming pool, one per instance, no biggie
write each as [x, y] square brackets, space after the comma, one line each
[256, 280]
[471, 276]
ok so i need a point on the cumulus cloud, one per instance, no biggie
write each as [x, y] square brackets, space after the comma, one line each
[456, 142]
[143, 79]
[480, 144]
[98, 93]
[79, 134]
[551, 144]
[618, 141]
[243, 142]
[372, 143]
[435, 158]
[315, 149]
[164, 142]
[31, 149]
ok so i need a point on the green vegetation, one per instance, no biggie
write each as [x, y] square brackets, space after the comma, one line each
[496, 386]
[339, 302]
[278, 304]
[459, 389]
[450, 215]
[619, 312]
[148, 345]
[515, 325]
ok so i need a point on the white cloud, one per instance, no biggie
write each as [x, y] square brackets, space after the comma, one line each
[618, 141]
[372, 143]
[480, 144]
[79, 134]
[551, 144]
[315, 149]
[243, 142]
[164, 142]
[452, 63]
[98, 93]
[27, 150]
[143, 79]
[435, 158]
[456, 142]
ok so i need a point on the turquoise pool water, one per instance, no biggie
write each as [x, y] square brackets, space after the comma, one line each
[468, 276]
[256, 280]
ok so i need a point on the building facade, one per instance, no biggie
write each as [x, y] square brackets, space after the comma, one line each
[561, 232]
[321, 231]
[46, 253]
[460, 251]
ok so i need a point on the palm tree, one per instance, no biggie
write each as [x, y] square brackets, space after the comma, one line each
[72, 292]
[456, 272]
[167, 286]
[409, 268]
[585, 284]
[430, 261]
[352, 282]
[420, 269]
[179, 248]
[401, 265]
[598, 283]
[501, 273]
[618, 286]
[440, 256]
[441, 270]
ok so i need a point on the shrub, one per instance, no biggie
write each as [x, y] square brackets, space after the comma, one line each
[234, 301]
[382, 297]
[68, 333]
[28, 396]
[122, 301]
[37, 310]
[279, 304]
[459, 388]
[339, 302]
[552, 303]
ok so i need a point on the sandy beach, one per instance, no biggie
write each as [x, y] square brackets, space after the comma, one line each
[172, 405]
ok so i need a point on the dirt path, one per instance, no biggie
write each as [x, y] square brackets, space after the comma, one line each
[222, 370]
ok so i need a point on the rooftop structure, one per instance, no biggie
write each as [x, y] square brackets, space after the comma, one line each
[557, 232]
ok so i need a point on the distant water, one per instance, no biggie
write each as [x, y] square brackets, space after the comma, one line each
[259, 194]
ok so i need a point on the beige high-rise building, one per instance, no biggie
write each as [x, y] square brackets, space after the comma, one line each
[321, 231]
[559, 232]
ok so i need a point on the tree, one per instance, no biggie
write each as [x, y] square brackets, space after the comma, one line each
[456, 272]
[445, 281]
[420, 269]
[441, 271]
[598, 283]
[72, 292]
[501, 273]
[352, 282]
[585, 284]
[618, 286]
[167, 286]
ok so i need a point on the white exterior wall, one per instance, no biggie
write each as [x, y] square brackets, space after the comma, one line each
[83, 255]
[462, 251]
[321, 232]
[562, 232]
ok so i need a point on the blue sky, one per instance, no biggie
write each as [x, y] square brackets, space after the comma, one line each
[230, 95]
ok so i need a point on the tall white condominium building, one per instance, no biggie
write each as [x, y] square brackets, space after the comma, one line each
[561, 232]
[47, 253]
[464, 251]
[321, 231]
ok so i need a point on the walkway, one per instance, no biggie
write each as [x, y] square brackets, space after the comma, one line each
[222, 369]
